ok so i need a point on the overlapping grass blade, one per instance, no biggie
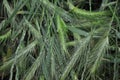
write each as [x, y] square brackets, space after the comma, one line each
[80, 50]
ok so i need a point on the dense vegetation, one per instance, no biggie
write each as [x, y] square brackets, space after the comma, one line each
[59, 40]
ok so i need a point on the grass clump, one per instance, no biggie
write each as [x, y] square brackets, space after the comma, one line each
[59, 40]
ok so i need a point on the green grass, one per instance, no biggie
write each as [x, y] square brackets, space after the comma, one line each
[59, 40]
